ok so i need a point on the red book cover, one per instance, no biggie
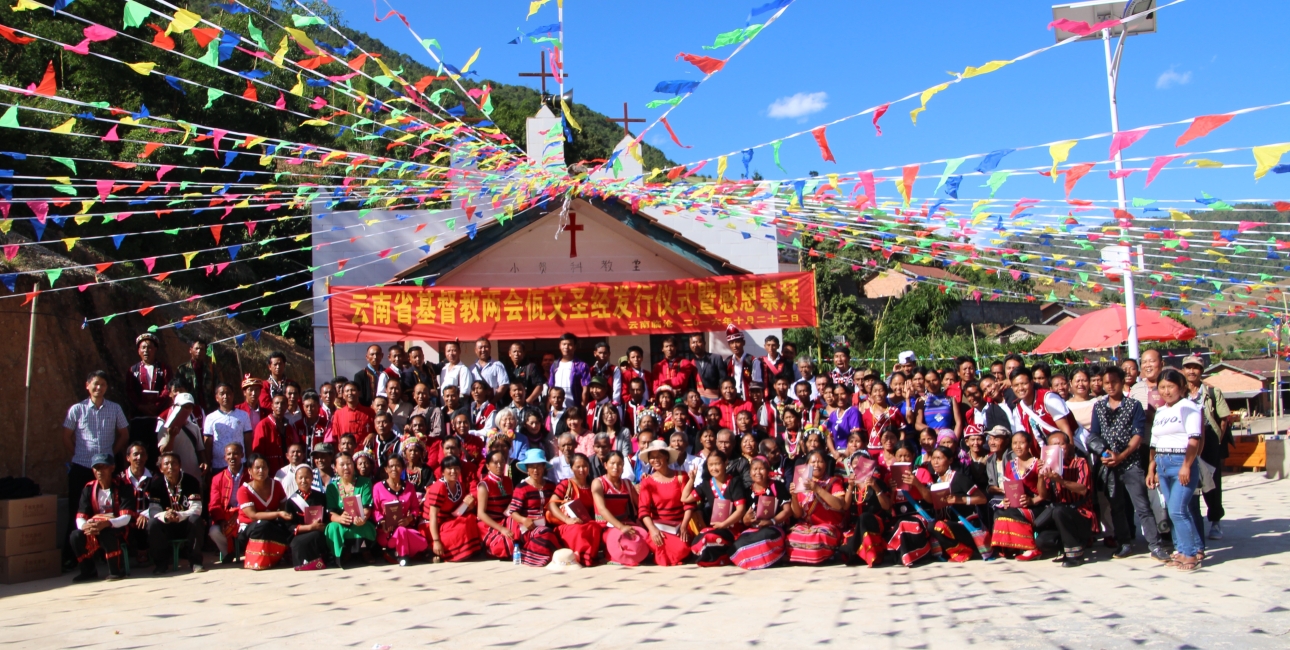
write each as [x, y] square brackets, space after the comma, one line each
[352, 507]
[1055, 459]
[1013, 491]
[721, 509]
[313, 515]
[898, 473]
[802, 479]
[574, 509]
[939, 493]
[765, 507]
[392, 511]
[862, 468]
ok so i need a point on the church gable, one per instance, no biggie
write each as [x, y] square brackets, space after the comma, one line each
[595, 248]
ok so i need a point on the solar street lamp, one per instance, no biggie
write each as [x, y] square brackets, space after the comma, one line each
[1094, 12]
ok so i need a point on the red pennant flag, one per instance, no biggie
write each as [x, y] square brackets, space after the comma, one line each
[673, 134]
[216, 231]
[101, 267]
[146, 310]
[49, 85]
[148, 149]
[1201, 127]
[1074, 174]
[30, 296]
[13, 37]
[818, 132]
[161, 40]
[250, 93]
[340, 266]
[707, 64]
[205, 35]
[882, 110]
[908, 175]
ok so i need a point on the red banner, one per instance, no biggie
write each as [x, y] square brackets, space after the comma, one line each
[779, 300]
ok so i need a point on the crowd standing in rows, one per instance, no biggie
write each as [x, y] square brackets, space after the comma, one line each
[738, 459]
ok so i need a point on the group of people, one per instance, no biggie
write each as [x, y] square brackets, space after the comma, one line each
[738, 459]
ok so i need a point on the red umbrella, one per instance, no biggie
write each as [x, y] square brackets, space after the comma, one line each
[1105, 328]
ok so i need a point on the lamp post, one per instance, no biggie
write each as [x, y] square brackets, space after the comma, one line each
[1093, 12]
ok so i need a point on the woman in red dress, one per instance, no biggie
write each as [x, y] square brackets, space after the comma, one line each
[762, 543]
[1014, 523]
[493, 495]
[450, 523]
[879, 416]
[572, 506]
[527, 511]
[665, 517]
[616, 500]
[721, 501]
[819, 505]
[265, 532]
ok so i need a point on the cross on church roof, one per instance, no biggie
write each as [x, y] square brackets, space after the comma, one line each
[544, 75]
[625, 120]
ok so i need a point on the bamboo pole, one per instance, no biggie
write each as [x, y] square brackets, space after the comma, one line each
[26, 411]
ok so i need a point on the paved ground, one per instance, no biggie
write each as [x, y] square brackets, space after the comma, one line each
[1234, 601]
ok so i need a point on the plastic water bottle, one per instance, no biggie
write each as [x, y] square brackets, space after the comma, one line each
[515, 556]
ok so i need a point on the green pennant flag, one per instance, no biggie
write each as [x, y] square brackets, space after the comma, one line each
[265, 310]
[256, 34]
[135, 14]
[419, 282]
[1142, 203]
[108, 319]
[53, 275]
[71, 164]
[307, 21]
[283, 327]
[211, 58]
[10, 118]
[996, 181]
[664, 102]
[951, 166]
[213, 94]
[451, 223]
[776, 144]
[152, 328]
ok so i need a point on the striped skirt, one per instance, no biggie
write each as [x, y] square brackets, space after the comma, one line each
[713, 547]
[759, 548]
[1014, 528]
[495, 544]
[264, 543]
[813, 544]
[911, 540]
[537, 544]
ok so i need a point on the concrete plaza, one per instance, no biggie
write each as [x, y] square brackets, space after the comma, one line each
[1234, 601]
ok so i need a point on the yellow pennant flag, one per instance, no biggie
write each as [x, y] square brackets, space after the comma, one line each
[972, 71]
[534, 6]
[303, 39]
[144, 68]
[1176, 215]
[281, 53]
[298, 89]
[5, 225]
[26, 5]
[183, 21]
[1204, 163]
[85, 206]
[81, 221]
[721, 168]
[188, 260]
[296, 304]
[927, 94]
[1060, 152]
[1267, 157]
[70, 241]
[470, 61]
[568, 115]
[65, 127]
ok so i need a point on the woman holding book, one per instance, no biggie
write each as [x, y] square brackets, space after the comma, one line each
[720, 501]
[953, 496]
[762, 542]
[449, 513]
[571, 507]
[1023, 501]
[661, 511]
[615, 500]
[493, 495]
[265, 532]
[819, 506]
[306, 507]
[527, 511]
[910, 521]
[349, 503]
[397, 510]
[869, 491]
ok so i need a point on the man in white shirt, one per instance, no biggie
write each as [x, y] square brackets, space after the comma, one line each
[487, 369]
[806, 368]
[287, 475]
[454, 372]
[223, 426]
[105, 510]
[178, 432]
[562, 466]
[1039, 416]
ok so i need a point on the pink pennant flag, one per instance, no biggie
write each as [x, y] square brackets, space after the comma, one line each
[1249, 225]
[250, 228]
[104, 187]
[1159, 164]
[318, 103]
[219, 268]
[162, 171]
[882, 110]
[40, 209]
[1122, 140]
[10, 251]
[870, 193]
[111, 135]
[217, 135]
[149, 262]
[1123, 173]
[673, 134]
[823, 142]
[1074, 174]
[98, 33]
[82, 48]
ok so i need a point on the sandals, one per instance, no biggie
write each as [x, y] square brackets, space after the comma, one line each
[1189, 563]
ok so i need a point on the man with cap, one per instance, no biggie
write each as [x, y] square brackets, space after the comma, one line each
[1217, 419]
[178, 432]
[146, 392]
[323, 458]
[102, 516]
[93, 427]
[251, 405]
[906, 362]
[741, 366]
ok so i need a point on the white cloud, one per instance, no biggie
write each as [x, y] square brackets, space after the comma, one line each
[1171, 77]
[799, 105]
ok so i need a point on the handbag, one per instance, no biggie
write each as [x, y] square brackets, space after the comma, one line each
[1206, 476]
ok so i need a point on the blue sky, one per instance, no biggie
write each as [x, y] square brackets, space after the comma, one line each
[1208, 57]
